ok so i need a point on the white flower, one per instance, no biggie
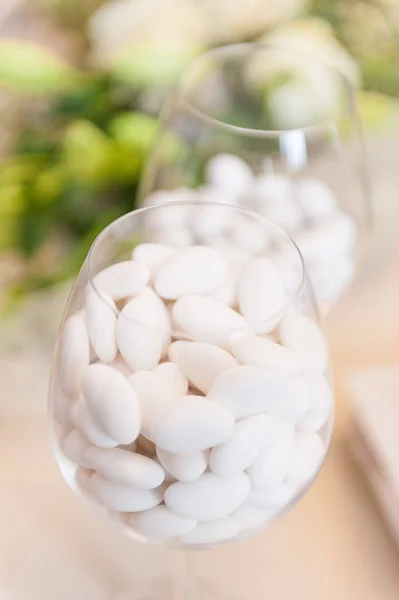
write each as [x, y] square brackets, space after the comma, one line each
[237, 20]
[147, 41]
[314, 62]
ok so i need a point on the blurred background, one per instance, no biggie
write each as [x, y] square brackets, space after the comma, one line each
[81, 87]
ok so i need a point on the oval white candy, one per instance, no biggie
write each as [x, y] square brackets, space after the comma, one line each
[154, 398]
[251, 517]
[184, 466]
[202, 364]
[213, 532]
[316, 198]
[143, 331]
[305, 338]
[277, 497]
[206, 320]
[229, 172]
[261, 294]
[83, 421]
[152, 255]
[191, 270]
[176, 237]
[274, 197]
[320, 404]
[193, 424]
[242, 449]
[328, 239]
[124, 498]
[250, 349]
[173, 377]
[209, 221]
[307, 454]
[125, 467]
[112, 402]
[73, 355]
[269, 470]
[209, 498]
[175, 348]
[101, 320]
[160, 523]
[74, 446]
[247, 390]
[122, 280]
[248, 234]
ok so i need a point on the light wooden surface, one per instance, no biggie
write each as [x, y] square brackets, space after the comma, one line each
[333, 545]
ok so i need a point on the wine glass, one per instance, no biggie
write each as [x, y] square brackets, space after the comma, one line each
[190, 400]
[276, 131]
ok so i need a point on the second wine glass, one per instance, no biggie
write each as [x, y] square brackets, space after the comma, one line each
[259, 126]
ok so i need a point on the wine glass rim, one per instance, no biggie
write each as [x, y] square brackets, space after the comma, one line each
[322, 124]
[201, 203]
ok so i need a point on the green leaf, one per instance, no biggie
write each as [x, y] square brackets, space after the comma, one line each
[48, 185]
[151, 64]
[87, 153]
[12, 200]
[33, 231]
[30, 68]
[134, 129]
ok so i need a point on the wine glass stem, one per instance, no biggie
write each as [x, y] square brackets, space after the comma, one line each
[185, 579]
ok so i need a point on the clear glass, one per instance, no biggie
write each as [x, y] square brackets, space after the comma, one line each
[206, 441]
[277, 132]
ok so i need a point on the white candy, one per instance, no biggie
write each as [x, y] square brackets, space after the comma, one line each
[316, 198]
[209, 498]
[250, 349]
[173, 377]
[320, 404]
[125, 467]
[275, 200]
[242, 449]
[205, 320]
[328, 239]
[83, 421]
[305, 338]
[73, 355]
[260, 294]
[251, 517]
[112, 403]
[248, 235]
[209, 221]
[191, 270]
[175, 349]
[122, 279]
[184, 466]
[213, 532]
[249, 390]
[124, 498]
[74, 447]
[143, 331]
[273, 497]
[193, 424]
[202, 364]
[154, 397]
[177, 237]
[229, 172]
[270, 469]
[160, 523]
[330, 278]
[307, 454]
[101, 320]
[152, 255]
[226, 292]
[169, 217]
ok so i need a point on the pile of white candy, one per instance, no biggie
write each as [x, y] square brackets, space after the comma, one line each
[189, 421]
[306, 208]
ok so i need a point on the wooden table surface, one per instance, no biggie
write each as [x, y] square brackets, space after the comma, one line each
[333, 546]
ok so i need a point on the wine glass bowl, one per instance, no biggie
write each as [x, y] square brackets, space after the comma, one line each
[190, 399]
[258, 126]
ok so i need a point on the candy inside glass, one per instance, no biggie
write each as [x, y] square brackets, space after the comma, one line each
[190, 399]
[274, 129]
